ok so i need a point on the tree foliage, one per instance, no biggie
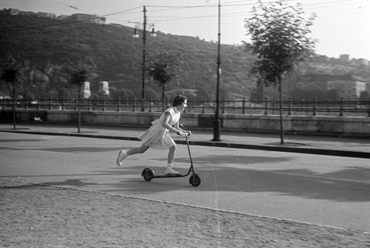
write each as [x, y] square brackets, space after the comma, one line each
[364, 96]
[164, 69]
[11, 74]
[279, 39]
[48, 45]
[78, 76]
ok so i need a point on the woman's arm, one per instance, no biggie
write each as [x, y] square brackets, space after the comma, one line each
[177, 126]
[165, 124]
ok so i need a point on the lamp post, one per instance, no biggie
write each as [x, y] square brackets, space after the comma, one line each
[136, 35]
[217, 121]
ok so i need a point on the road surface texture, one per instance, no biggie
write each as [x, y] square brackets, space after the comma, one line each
[66, 191]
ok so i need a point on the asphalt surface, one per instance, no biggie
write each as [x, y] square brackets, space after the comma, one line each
[289, 182]
[309, 144]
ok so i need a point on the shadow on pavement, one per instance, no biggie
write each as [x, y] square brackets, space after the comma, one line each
[216, 175]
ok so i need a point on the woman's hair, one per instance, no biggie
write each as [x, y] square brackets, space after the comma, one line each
[178, 100]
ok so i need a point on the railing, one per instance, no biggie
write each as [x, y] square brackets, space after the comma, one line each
[266, 107]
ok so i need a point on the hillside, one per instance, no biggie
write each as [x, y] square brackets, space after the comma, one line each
[47, 46]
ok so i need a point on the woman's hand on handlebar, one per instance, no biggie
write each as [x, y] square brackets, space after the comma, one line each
[184, 133]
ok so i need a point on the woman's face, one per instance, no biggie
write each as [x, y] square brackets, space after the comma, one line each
[182, 106]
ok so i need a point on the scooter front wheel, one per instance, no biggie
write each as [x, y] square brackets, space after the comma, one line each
[148, 174]
[195, 180]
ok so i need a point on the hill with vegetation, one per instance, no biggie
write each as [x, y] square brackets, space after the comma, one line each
[47, 46]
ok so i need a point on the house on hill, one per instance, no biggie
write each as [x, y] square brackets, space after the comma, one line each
[27, 13]
[87, 18]
[349, 87]
[62, 17]
[10, 11]
[47, 15]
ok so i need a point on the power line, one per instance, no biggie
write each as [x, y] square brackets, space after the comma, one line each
[70, 6]
[312, 6]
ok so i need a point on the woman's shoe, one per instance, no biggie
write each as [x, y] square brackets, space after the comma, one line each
[170, 171]
[121, 156]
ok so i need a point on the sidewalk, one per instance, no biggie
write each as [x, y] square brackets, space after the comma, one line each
[336, 146]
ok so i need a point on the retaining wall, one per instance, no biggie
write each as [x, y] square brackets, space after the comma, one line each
[229, 122]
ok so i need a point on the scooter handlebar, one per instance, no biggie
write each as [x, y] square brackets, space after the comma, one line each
[184, 134]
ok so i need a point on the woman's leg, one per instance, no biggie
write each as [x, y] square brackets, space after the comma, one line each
[170, 159]
[123, 154]
[141, 149]
[171, 154]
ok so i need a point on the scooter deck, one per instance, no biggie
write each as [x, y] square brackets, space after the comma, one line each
[169, 175]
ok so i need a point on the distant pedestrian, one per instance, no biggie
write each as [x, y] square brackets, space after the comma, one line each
[158, 137]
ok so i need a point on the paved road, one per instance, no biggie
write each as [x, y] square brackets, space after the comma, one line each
[320, 189]
[310, 144]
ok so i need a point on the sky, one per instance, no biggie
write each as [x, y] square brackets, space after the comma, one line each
[340, 26]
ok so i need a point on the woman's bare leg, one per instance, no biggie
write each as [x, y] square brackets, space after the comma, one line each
[137, 150]
[170, 159]
[171, 154]
[123, 154]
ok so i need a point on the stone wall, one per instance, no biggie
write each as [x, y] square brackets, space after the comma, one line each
[250, 123]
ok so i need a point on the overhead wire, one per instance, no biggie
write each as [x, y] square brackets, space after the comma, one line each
[70, 6]
[230, 4]
[310, 6]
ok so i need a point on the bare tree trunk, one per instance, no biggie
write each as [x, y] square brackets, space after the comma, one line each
[281, 113]
[14, 109]
[163, 96]
[78, 110]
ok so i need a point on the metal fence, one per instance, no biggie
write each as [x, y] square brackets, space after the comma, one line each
[266, 107]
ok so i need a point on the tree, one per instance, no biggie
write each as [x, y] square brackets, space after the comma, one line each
[163, 69]
[364, 96]
[11, 74]
[78, 76]
[279, 39]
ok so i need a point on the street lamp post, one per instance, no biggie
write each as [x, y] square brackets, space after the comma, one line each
[217, 121]
[136, 35]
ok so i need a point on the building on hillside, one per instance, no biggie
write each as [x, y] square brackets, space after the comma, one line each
[27, 13]
[87, 18]
[62, 17]
[86, 93]
[363, 62]
[11, 11]
[349, 87]
[344, 57]
[4, 96]
[104, 88]
[47, 15]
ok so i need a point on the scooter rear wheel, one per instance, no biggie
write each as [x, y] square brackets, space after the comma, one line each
[148, 174]
[195, 180]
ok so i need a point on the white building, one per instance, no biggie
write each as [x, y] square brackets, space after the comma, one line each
[104, 87]
[86, 93]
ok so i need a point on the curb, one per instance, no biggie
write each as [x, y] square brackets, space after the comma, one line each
[280, 148]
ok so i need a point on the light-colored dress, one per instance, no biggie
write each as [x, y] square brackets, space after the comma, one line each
[157, 136]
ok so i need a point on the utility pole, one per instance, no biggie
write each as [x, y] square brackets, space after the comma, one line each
[144, 64]
[217, 121]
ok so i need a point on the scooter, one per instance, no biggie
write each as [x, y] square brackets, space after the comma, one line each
[194, 179]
